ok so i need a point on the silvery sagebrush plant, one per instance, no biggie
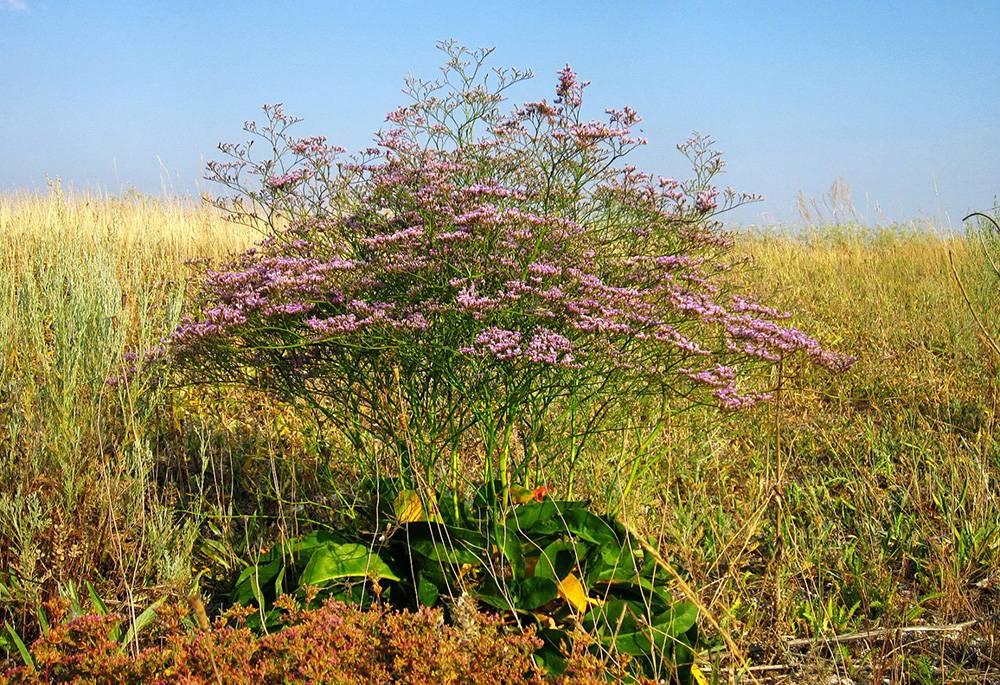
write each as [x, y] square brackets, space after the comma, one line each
[477, 270]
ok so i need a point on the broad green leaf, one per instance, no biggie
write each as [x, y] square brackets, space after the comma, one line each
[534, 592]
[336, 562]
[550, 659]
[666, 632]
[452, 553]
[591, 527]
[550, 656]
[614, 563]
[642, 590]
[497, 601]
[544, 517]
[437, 532]
[427, 592]
[271, 567]
[308, 542]
[640, 643]
[508, 543]
[615, 616]
[557, 560]
[498, 596]
[678, 620]
[253, 578]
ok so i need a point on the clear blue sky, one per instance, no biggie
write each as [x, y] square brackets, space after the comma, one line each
[901, 99]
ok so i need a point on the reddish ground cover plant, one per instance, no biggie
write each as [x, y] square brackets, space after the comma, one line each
[332, 644]
[475, 269]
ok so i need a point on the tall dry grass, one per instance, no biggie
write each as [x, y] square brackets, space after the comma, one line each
[84, 279]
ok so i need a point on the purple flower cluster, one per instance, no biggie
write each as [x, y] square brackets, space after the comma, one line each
[313, 146]
[722, 380]
[706, 200]
[496, 342]
[285, 181]
[569, 90]
[544, 347]
[547, 347]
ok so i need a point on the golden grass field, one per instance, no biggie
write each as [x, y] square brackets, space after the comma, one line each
[863, 502]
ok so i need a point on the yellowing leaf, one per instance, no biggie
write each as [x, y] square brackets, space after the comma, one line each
[408, 507]
[520, 494]
[698, 677]
[572, 591]
[545, 620]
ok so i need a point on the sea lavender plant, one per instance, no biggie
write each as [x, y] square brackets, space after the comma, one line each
[476, 270]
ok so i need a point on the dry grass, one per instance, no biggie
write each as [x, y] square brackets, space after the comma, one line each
[83, 281]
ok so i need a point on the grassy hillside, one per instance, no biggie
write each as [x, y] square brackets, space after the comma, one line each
[859, 502]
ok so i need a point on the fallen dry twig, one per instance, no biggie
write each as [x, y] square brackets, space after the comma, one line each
[879, 633]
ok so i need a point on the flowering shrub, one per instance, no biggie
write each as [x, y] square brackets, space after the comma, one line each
[476, 270]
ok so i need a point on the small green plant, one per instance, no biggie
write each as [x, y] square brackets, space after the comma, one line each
[323, 560]
[549, 565]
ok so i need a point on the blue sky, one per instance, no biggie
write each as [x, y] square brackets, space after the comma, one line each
[902, 100]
